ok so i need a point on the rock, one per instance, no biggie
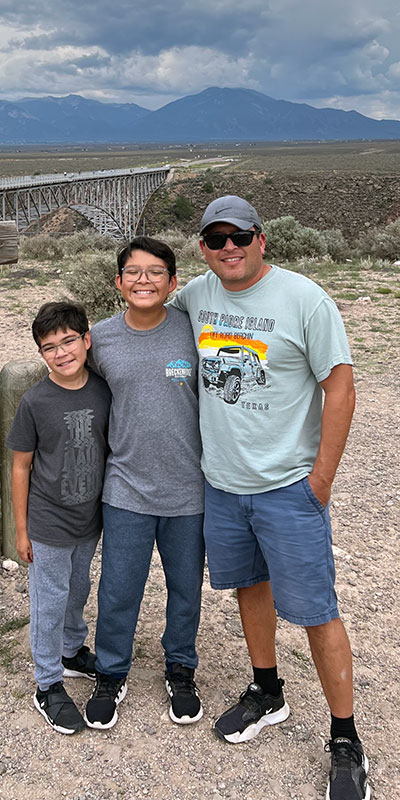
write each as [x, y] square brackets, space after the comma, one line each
[9, 565]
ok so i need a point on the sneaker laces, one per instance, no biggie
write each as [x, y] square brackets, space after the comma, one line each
[106, 687]
[251, 699]
[343, 752]
[182, 682]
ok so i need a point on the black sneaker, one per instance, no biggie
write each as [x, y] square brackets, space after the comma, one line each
[58, 709]
[349, 767]
[81, 665]
[253, 711]
[101, 709]
[185, 702]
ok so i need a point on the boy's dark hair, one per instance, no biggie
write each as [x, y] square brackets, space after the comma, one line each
[149, 245]
[52, 317]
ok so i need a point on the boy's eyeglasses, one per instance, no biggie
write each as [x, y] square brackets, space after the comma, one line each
[216, 241]
[153, 274]
[65, 346]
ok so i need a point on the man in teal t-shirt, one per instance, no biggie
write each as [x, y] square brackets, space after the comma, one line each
[272, 344]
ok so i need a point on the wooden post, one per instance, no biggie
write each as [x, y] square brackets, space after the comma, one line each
[15, 378]
[8, 242]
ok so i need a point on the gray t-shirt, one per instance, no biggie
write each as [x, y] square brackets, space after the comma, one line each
[66, 429]
[264, 352]
[154, 463]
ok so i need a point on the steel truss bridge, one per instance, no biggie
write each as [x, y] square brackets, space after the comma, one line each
[112, 200]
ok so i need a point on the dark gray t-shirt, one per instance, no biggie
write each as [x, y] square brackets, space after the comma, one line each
[67, 431]
[154, 463]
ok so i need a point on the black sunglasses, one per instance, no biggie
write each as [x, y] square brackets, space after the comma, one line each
[216, 241]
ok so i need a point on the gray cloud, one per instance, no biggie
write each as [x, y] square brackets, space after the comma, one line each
[343, 53]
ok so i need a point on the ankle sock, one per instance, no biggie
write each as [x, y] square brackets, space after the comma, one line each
[343, 726]
[267, 679]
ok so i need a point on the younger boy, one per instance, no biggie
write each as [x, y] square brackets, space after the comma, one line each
[59, 441]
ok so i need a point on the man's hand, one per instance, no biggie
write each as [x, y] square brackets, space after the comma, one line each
[24, 548]
[321, 489]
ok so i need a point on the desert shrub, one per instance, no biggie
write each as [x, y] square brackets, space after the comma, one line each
[41, 247]
[87, 241]
[335, 243]
[174, 238]
[186, 248]
[190, 250]
[380, 242]
[287, 239]
[208, 187]
[182, 207]
[91, 280]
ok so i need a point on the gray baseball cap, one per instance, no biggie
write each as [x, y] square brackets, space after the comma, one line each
[231, 209]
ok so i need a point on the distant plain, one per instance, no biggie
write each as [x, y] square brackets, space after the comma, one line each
[360, 157]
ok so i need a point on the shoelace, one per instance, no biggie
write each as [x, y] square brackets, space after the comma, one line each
[106, 687]
[181, 681]
[250, 699]
[342, 752]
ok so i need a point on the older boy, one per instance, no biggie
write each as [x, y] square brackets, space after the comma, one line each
[153, 489]
[59, 441]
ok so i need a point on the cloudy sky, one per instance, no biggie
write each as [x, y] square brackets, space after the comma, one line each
[338, 53]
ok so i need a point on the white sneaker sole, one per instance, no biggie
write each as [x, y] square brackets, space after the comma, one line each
[253, 730]
[367, 795]
[103, 726]
[185, 720]
[52, 724]
[73, 673]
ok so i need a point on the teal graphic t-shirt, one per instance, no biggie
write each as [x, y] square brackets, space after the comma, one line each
[263, 353]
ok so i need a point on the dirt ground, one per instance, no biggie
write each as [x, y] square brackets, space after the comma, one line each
[145, 755]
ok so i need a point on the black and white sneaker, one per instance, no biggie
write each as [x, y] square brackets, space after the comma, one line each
[101, 709]
[185, 702]
[81, 665]
[349, 768]
[253, 712]
[58, 709]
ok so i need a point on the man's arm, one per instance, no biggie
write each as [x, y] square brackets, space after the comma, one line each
[336, 418]
[21, 471]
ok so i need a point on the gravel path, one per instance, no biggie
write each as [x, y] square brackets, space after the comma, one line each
[145, 755]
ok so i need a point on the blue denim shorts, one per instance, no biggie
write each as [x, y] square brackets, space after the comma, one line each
[283, 536]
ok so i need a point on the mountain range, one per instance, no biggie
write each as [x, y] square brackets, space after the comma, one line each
[215, 115]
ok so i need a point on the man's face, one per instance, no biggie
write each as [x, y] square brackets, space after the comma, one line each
[237, 268]
[145, 294]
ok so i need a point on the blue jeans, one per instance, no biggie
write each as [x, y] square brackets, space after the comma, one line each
[128, 542]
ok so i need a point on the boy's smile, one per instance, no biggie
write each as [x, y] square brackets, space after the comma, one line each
[146, 294]
[65, 354]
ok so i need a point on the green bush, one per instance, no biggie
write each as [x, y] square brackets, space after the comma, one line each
[380, 242]
[182, 207]
[287, 239]
[41, 247]
[335, 243]
[86, 241]
[91, 280]
[208, 187]
[174, 238]
[186, 248]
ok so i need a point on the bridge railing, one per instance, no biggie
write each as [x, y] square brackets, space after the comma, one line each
[72, 177]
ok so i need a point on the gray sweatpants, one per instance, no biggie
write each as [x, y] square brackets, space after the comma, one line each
[59, 587]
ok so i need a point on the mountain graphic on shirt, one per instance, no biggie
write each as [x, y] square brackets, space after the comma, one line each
[180, 364]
